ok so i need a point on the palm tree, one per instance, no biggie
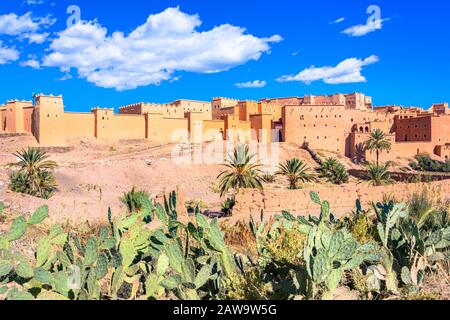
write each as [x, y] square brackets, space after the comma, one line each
[296, 171]
[242, 171]
[378, 142]
[34, 175]
[334, 171]
[378, 175]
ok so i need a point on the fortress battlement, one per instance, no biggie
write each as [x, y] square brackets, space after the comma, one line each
[337, 123]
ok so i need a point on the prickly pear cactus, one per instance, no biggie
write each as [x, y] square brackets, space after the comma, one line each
[329, 253]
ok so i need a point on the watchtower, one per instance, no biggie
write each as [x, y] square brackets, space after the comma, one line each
[48, 121]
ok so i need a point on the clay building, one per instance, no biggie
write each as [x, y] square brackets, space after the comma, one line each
[340, 123]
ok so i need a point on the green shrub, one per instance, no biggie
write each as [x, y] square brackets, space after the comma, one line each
[133, 199]
[242, 172]
[378, 174]
[34, 175]
[362, 228]
[423, 162]
[227, 207]
[288, 248]
[248, 286]
[334, 171]
[268, 177]
[296, 171]
[195, 205]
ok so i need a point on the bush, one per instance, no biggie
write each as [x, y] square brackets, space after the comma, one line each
[248, 286]
[268, 177]
[296, 171]
[227, 207]
[378, 174]
[133, 199]
[195, 205]
[423, 162]
[35, 175]
[334, 171]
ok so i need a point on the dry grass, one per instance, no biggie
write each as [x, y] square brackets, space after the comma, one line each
[239, 237]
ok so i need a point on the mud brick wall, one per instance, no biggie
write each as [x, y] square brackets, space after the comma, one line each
[341, 198]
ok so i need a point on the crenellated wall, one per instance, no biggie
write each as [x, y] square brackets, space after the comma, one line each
[339, 123]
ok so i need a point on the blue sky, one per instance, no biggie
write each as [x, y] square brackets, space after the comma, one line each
[249, 49]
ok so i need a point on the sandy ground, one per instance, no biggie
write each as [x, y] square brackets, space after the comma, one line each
[92, 176]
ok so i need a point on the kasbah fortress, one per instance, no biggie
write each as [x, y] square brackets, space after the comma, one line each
[338, 123]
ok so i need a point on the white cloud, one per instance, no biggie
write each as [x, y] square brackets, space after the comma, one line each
[339, 20]
[363, 29]
[32, 63]
[26, 26]
[166, 43]
[13, 25]
[251, 84]
[34, 2]
[347, 71]
[8, 54]
[37, 38]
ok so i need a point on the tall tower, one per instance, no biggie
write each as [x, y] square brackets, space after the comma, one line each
[104, 123]
[49, 120]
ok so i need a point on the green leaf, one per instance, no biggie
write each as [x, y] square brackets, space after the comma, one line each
[215, 237]
[62, 283]
[175, 256]
[43, 276]
[101, 269]
[18, 229]
[288, 216]
[104, 233]
[20, 295]
[162, 264]
[90, 252]
[60, 239]
[333, 279]
[188, 268]
[5, 268]
[43, 251]
[128, 252]
[202, 276]
[63, 258]
[39, 215]
[109, 243]
[160, 214]
[325, 210]
[315, 197]
[202, 221]
[24, 270]
[171, 282]
[151, 285]
[406, 276]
